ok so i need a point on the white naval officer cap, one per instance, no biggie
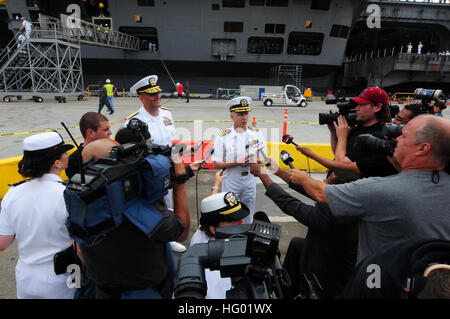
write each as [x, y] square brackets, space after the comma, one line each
[45, 144]
[222, 207]
[240, 104]
[149, 84]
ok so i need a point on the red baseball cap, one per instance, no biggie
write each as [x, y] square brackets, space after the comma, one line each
[372, 95]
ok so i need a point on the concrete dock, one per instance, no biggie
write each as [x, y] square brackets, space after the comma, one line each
[198, 120]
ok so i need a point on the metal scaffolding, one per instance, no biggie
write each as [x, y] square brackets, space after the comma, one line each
[48, 62]
[287, 74]
[41, 67]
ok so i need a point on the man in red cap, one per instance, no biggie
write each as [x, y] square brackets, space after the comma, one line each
[372, 112]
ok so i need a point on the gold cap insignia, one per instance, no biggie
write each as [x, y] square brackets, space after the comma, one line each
[231, 199]
[244, 102]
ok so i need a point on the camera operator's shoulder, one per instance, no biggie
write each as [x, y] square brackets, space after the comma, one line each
[225, 132]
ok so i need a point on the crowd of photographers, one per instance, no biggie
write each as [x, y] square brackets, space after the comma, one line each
[384, 202]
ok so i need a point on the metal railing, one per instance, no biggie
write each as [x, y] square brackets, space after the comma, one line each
[90, 33]
[415, 1]
[399, 51]
[78, 31]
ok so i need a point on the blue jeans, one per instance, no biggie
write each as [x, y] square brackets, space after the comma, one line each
[110, 99]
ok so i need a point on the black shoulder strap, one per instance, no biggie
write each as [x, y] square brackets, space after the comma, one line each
[17, 184]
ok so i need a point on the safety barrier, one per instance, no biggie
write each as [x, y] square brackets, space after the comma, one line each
[10, 175]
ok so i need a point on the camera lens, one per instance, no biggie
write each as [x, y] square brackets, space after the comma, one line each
[370, 143]
[327, 118]
[392, 130]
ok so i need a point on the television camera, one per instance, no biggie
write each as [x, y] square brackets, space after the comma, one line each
[370, 143]
[134, 175]
[347, 110]
[246, 253]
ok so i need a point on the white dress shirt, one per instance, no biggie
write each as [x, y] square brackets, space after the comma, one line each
[161, 127]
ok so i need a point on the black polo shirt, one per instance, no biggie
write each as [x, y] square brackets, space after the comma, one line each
[369, 164]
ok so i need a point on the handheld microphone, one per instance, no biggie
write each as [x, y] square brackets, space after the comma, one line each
[287, 159]
[288, 139]
[179, 148]
[195, 148]
[210, 152]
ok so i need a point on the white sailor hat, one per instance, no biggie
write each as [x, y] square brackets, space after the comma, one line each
[222, 207]
[45, 144]
[149, 84]
[240, 104]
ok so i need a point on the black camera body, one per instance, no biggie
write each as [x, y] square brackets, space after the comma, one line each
[346, 109]
[392, 131]
[370, 143]
[246, 253]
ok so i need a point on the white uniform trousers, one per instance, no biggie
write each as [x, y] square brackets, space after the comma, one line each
[244, 187]
[41, 282]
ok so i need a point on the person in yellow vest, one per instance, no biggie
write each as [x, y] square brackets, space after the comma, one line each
[99, 32]
[110, 89]
[106, 30]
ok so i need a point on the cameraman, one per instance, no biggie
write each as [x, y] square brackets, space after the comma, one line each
[414, 202]
[438, 107]
[409, 112]
[372, 111]
[366, 166]
[125, 262]
[329, 249]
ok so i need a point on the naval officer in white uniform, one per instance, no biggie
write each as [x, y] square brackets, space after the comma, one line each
[234, 149]
[159, 120]
[160, 124]
[34, 214]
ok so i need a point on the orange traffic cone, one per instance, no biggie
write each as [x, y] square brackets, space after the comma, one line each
[254, 121]
[285, 122]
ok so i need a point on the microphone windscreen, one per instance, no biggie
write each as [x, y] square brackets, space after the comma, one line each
[261, 216]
